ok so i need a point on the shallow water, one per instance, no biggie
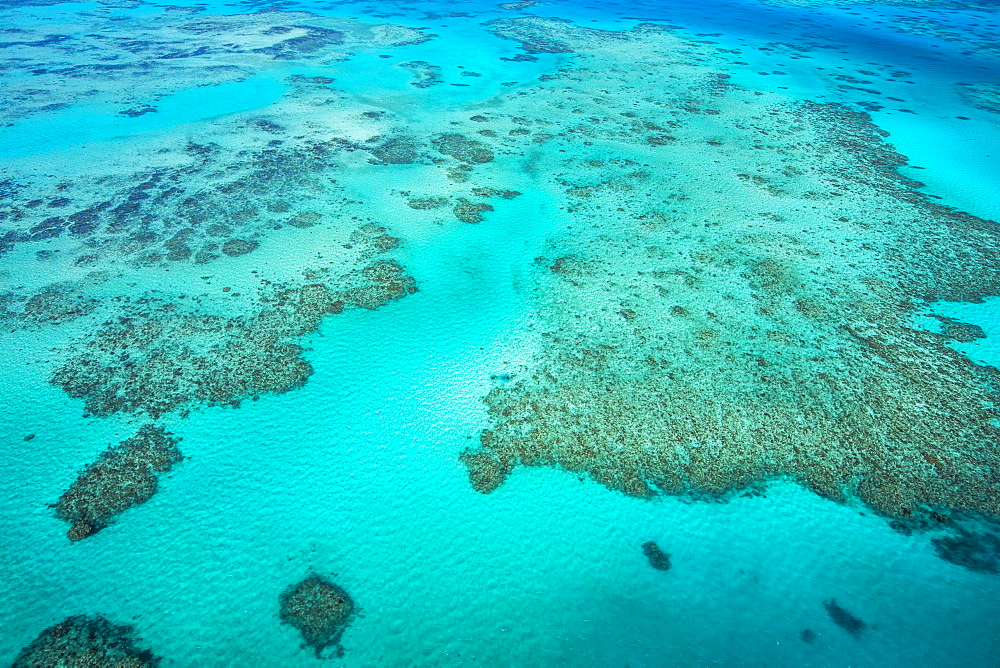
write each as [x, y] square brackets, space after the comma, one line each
[671, 220]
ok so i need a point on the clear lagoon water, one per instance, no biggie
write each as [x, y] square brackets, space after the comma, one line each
[526, 334]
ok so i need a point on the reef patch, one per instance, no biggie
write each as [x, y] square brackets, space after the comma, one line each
[706, 328]
[125, 475]
[320, 610]
[396, 151]
[536, 35]
[843, 618]
[425, 75]
[978, 551]
[470, 212]
[54, 304]
[956, 330]
[981, 96]
[463, 149]
[657, 558]
[155, 360]
[82, 641]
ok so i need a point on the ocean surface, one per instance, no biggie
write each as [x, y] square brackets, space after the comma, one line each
[460, 306]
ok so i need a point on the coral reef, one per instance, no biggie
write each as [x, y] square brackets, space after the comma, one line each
[304, 219]
[470, 212]
[657, 558]
[976, 550]
[125, 475]
[524, 4]
[982, 96]
[464, 209]
[320, 610]
[373, 240]
[54, 304]
[197, 213]
[717, 326]
[493, 192]
[156, 360]
[981, 5]
[205, 199]
[486, 471]
[843, 618]
[973, 38]
[427, 202]
[396, 151]
[86, 642]
[425, 75]
[171, 50]
[535, 35]
[236, 247]
[962, 332]
[386, 282]
[462, 148]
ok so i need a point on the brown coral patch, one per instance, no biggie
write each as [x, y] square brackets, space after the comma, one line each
[319, 609]
[237, 247]
[305, 219]
[157, 360]
[462, 148]
[86, 641]
[470, 212]
[125, 475]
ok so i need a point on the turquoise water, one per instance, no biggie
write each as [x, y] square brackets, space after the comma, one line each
[80, 126]
[356, 472]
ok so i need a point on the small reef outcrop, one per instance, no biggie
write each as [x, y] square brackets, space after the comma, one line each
[320, 610]
[843, 618]
[657, 558]
[125, 475]
[159, 358]
[86, 642]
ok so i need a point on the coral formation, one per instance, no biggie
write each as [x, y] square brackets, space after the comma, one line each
[54, 304]
[470, 212]
[464, 209]
[373, 240]
[167, 51]
[486, 471]
[717, 326]
[976, 550]
[982, 96]
[202, 200]
[493, 192]
[987, 5]
[320, 610]
[843, 618]
[396, 151]
[236, 247]
[425, 75]
[962, 332]
[154, 361]
[657, 558]
[304, 219]
[386, 282]
[427, 202]
[191, 214]
[462, 148]
[84, 642]
[535, 35]
[125, 475]
[524, 4]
